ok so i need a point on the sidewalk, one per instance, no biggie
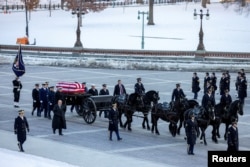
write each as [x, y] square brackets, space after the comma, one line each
[71, 154]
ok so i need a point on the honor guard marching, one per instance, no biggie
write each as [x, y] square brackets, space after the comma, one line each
[43, 95]
[191, 130]
[242, 89]
[195, 85]
[36, 100]
[17, 86]
[20, 127]
[232, 138]
[208, 99]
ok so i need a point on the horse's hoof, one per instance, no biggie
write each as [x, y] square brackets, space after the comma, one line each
[129, 129]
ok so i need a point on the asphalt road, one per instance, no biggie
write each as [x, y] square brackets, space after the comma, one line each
[140, 143]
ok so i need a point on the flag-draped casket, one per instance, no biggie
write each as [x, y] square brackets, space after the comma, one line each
[71, 87]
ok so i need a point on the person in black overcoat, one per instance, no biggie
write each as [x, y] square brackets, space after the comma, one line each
[21, 125]
[119, 89]
[242, 91]
[232, 138]
[36, 100]
[59, 121]
[113, 122]
[191, 130]
[195, 85]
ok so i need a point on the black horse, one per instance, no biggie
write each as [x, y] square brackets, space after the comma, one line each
[171, 112]
[227, 115]
[203, 117]
[140, 103]
[164, 112]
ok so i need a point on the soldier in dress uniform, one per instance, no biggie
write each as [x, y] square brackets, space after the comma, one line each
[43, 95]
[226, 100]
[237, 82]
[223, 84]
[213, 80]
[103, 91]
[242, 90]
[178, 93]
[191, 130]
[17, 86]
[139, 87]
[36, 100]
[208, 99]
[195, 85]
[206, 79]
[119, 89]
[93, 91]
[113, 122]
[51, 101]
[233, 138]
[21, 125]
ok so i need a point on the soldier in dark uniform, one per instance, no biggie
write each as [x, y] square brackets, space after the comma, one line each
[191, 130]
[119, 89]
[178, 93]
[103, 91]
[208, 99]
[232, 138]
[36, 100]
[93, 91]
[43, 96]
[59, 95]
[113, 122]
[213, 81]
[51, 100]
[242, 92]
[209, 87]
[139, 87]
[20, 127]
[226, 100]
[228, 76]
[17, 86]
[195, 85]
[223, 84]
[59, 121]
[85, 86]
[237, 82]
[206, 79]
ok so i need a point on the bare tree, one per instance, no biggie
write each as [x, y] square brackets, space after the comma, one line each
[31, 5]
[151, 13]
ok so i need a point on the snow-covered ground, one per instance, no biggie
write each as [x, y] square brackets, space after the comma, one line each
[174, 29]
[14, 159]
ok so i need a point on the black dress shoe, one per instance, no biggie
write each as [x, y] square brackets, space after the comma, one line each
[32, 113]
[119, 139]
[60, 134]
[110, 139]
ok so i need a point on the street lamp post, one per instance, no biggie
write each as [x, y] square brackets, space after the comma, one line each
[201, 34]
[26, 15]
[142, 37]
[78, 31]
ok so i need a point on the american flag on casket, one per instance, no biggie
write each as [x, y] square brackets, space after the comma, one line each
[71, 87]
[18, 66]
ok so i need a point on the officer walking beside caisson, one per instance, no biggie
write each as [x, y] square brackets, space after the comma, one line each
[191, 129]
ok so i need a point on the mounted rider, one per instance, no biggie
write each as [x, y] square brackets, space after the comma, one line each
[139, 89]
[208, 100]
[225, 100]
[177, 94]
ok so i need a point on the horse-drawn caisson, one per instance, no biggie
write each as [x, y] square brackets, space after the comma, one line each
[85, 104]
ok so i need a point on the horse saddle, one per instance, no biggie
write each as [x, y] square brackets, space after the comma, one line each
[165, 107]
[121, 99]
